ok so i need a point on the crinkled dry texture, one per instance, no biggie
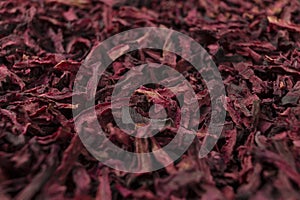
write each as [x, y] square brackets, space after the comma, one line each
[256, 46]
